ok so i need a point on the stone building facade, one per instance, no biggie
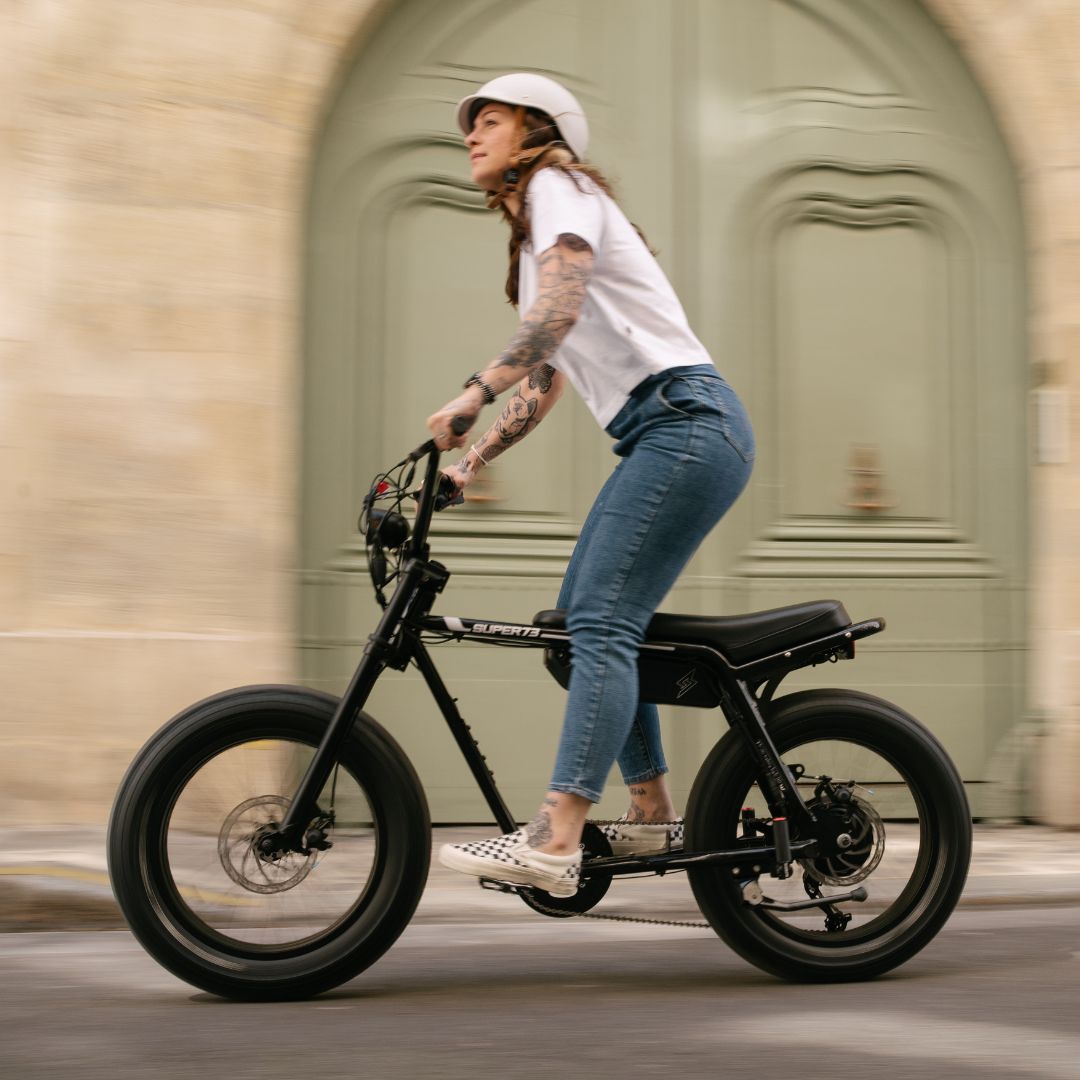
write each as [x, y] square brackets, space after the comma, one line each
[153, 184]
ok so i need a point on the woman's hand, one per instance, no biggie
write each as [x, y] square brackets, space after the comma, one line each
[459, 474]
[467, 406]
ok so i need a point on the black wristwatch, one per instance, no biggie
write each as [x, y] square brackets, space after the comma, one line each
[475, 380]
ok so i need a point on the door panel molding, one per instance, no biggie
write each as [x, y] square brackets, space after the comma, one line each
[786, 157]
[913, 404]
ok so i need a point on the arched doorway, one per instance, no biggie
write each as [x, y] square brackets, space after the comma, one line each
[829, 193]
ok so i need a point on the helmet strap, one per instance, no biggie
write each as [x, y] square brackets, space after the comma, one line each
[523, 157]
[512, 176]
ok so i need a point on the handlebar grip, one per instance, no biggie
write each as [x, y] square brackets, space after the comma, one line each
[459, 425]
[448, 494]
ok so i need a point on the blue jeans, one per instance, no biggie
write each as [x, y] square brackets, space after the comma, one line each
[687, 449]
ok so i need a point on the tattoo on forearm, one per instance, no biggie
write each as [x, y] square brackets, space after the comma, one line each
[538, 831]
[520, 415]
[535, 340]
[540, 378]
[516, 419]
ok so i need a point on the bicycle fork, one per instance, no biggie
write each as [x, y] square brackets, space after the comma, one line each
[378, 654]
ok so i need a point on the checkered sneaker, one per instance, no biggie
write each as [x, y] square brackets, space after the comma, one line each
[509, 858]
[633, 839]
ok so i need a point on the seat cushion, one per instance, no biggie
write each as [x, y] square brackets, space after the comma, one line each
[741, 638]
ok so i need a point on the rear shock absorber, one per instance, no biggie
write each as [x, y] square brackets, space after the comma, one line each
[782, 844]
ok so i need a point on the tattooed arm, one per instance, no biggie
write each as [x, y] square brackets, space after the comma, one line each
[530, 403]
[564, 271]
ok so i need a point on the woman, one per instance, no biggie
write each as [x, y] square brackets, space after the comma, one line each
[597, 312]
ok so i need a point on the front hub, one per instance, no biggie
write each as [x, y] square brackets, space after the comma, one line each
[251, 848]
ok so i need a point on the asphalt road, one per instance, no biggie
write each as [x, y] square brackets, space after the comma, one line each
[994, 996]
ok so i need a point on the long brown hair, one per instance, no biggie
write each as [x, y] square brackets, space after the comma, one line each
[541, 148]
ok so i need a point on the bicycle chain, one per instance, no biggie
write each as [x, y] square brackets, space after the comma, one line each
[621, 918]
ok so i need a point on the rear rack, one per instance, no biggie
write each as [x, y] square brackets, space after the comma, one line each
[840, 644]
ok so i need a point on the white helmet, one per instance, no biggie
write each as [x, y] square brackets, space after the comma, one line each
[534, 92]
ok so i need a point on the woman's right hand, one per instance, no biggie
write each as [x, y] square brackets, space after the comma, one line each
[452, 483]
[451, 424]
[459, 474]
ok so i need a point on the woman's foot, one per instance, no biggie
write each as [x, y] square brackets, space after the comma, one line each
[650, 801]
[650, 824]
[643, 838]
[512, 858]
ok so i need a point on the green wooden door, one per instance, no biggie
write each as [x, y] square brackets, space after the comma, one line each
[828, 192]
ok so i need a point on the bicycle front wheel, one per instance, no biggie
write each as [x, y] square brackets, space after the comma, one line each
[203, 899]
[892, 818]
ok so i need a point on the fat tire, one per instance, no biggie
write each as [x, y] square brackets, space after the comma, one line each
[942, 867]
[157, 916]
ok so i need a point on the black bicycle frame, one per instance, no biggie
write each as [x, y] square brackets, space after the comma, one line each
[396, 642]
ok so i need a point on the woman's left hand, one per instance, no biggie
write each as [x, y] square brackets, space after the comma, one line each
[467, 406]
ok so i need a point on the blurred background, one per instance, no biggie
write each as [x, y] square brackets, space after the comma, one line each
[242, 262]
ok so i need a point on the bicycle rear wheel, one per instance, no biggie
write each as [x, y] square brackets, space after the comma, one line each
[892, 818]
[190, 878]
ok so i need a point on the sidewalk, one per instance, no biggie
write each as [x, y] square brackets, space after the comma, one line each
[56, 879]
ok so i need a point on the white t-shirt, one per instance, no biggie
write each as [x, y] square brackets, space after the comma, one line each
[632, 324]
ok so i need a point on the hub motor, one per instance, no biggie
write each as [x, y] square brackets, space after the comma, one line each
[851, 837]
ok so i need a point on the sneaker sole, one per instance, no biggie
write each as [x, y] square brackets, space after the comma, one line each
[496, 871]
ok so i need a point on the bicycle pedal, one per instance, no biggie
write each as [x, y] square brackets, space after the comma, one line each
[501, 886]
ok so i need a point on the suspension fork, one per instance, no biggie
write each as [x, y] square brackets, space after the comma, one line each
[777, 780]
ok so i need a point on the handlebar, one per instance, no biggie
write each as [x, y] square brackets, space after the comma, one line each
[459, 425]
[386, 530]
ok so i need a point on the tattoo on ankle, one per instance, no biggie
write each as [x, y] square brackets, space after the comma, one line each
[635, 813]
[538, 831]
[636, 791]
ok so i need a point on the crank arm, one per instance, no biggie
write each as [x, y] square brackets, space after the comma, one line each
[753, 896]
[502, 886]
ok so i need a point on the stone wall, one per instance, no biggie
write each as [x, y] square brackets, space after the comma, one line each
[1024, 52]
[152, 183]
[154, 168]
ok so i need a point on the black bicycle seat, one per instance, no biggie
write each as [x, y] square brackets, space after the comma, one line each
[741, 638]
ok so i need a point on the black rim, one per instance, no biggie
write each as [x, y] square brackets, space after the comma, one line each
[906, 908]
[167, 895]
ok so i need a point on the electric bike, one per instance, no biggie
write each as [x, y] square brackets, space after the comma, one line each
[272, 842]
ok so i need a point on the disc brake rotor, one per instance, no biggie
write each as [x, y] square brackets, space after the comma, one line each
[241, 858]
[859, 821]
